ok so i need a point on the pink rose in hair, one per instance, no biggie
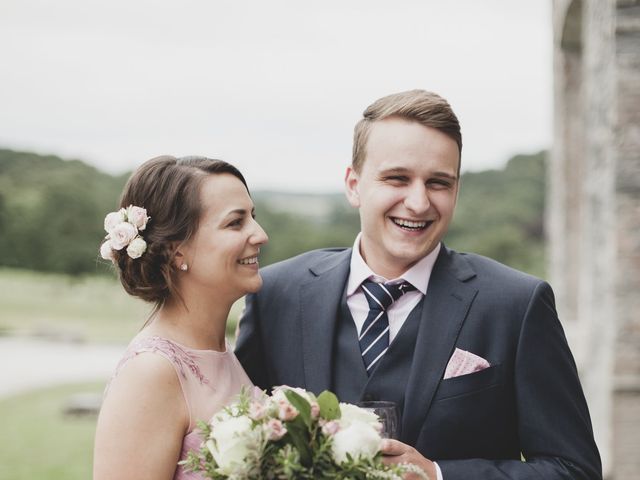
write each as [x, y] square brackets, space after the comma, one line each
[113, 219]
[121, 235]
[137, 216]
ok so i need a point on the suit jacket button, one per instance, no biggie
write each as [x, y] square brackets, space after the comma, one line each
[368, 397]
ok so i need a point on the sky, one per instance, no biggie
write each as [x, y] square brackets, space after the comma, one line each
[274, 87]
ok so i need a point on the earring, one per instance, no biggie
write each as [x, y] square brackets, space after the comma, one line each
[184, 267]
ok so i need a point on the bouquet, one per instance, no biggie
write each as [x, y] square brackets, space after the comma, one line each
[292, 434]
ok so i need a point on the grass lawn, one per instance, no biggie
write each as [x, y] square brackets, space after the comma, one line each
[90, 308]
[39, 442]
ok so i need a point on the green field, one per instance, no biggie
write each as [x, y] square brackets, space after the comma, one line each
[89, 308]
[39, 441]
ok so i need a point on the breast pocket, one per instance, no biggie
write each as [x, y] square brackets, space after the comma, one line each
[471, 383]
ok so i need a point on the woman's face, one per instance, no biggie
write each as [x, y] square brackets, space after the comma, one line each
[222, 256]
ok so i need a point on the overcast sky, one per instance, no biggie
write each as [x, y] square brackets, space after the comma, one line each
[274, 87]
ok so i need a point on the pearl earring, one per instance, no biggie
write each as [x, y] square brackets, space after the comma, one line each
[184, 267]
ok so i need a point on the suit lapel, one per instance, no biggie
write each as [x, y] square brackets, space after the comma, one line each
[445, 308]
[320, 302]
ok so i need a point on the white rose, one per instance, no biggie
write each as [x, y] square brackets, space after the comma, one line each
[106, 251]
[358, 439]
[231, 440]
[137, 247]
[122, 234]
[114, 218]
[278, 393]
[352, 413]
[137, 216]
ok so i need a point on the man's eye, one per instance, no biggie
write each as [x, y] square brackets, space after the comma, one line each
[396, 179]
[439, 183]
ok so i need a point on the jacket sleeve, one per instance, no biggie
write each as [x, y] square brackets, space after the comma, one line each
[556, 437]
[249, 349]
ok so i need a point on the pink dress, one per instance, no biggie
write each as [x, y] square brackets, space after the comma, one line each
[209, 381]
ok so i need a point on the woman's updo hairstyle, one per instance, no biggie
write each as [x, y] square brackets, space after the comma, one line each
[169, 189]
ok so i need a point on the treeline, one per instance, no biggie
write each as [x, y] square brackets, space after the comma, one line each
[51, 213]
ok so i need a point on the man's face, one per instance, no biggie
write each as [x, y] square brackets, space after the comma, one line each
[406, 192]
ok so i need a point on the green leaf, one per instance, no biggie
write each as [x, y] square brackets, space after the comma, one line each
[301, 404]
[300, 438]
[329, 406]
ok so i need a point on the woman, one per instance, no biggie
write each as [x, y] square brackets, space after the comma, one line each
[187, 241]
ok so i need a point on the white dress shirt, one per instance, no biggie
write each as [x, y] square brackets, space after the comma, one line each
[399, 311]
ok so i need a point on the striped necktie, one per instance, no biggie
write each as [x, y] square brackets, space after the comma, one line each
[374, 336]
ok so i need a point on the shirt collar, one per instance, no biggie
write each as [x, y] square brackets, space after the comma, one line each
[418, 275]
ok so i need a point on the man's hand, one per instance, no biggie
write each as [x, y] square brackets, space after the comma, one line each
[395, 451]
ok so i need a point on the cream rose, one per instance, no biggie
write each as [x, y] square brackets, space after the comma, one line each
[232, 439]
[137, 247]
[358, 439]
[137, 216]
[122, 234]
[351, 414]
[114, 218]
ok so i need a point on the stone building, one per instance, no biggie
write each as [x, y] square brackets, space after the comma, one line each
[593, 213]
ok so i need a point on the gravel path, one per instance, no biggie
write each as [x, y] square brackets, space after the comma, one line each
[27, 363]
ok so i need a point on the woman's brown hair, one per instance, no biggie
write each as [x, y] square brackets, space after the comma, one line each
[169, 189]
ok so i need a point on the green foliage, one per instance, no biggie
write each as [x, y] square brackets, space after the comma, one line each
[51, 213]
[329, 405]
[500, 214]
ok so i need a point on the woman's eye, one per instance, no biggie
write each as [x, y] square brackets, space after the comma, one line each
[236, 223]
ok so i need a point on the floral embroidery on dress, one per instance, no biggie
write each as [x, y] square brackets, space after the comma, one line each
[176, 354]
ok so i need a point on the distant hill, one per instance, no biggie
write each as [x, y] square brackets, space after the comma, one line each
[51, 213]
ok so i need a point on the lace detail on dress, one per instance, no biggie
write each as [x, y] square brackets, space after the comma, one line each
[182, 359]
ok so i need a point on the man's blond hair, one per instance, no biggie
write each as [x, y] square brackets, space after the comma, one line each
[426, 108]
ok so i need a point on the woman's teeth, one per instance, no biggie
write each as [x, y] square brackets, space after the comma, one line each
[248, 261]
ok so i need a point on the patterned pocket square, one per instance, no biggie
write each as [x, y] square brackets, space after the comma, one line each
[463, 363]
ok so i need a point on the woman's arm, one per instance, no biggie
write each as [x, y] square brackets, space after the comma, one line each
[142, 422]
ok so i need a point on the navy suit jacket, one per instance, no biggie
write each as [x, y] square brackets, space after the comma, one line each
[476, 426]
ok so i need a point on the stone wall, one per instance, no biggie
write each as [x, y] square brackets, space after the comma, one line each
[593, 213]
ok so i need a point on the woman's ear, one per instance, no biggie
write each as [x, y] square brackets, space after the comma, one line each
[179, 258]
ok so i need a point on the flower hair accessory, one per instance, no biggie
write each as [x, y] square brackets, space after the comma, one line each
[123, 230]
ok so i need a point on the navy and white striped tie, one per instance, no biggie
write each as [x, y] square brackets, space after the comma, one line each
[374, 336]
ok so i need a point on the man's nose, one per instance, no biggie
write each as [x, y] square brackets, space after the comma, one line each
[417, 199]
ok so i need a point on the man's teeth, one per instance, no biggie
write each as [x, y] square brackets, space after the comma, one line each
[409, 224]
[248, 261]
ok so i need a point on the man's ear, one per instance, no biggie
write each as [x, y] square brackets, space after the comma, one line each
[351, 184]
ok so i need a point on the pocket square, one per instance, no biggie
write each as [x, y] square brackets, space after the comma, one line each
[463, 363]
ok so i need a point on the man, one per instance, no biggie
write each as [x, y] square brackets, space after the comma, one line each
[471, 351]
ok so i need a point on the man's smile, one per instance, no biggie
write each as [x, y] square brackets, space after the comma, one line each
[411, 225]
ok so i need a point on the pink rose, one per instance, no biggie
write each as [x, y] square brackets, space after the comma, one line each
[330, 428]
[114, 218]
[315, 410]
[275, 430]
[286, 411]
[257, 411]
[137, 216]
[121, 235]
